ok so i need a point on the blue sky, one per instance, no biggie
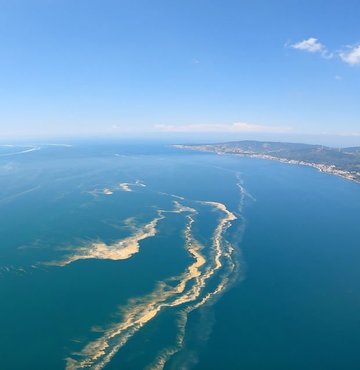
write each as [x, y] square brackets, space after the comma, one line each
[286, 70]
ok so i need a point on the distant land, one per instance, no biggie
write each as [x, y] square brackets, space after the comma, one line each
[344, 162]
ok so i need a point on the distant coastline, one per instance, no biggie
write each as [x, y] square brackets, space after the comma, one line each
[344, 163]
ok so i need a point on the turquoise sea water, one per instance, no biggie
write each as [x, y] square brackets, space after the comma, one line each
[141, 256]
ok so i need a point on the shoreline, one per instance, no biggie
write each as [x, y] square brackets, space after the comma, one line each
[328, 169]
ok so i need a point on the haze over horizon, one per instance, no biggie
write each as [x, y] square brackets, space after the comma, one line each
[180, 71]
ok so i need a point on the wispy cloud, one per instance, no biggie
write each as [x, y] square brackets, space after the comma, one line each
[349, 55]
[225, 128]
[353, 134]
[312, 45]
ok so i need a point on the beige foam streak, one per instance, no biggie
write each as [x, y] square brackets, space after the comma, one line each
[124, 248]
[127, 186]
[120, 250]
[140, 311]
[224, 223]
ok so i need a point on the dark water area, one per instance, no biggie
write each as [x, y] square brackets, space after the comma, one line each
[111, 256]
[298, 305]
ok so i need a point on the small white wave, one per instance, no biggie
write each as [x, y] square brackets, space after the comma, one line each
[60, 145]
[123, 186]
[128, 186]
[12, 197]
[27, 149]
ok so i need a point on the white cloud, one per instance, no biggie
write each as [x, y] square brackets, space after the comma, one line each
[234, 127]
[351, 56]
[311, 45]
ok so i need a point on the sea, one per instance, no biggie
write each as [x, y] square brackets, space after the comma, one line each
[139, 255]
